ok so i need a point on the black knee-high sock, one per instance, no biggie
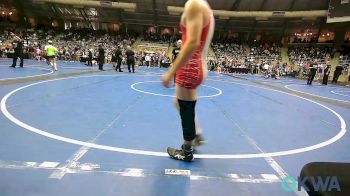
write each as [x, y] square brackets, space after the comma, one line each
[187, 113]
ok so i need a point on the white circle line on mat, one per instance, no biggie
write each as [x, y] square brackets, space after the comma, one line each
[289, 88]
[31, 76]
[164, 95]
[45, 133]
[340, 93]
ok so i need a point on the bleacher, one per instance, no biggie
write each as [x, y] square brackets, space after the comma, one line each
[151, 46]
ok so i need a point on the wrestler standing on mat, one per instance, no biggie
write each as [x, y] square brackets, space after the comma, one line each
[190, 67]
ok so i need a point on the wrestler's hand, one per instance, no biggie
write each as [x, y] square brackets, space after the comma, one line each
[166, 80]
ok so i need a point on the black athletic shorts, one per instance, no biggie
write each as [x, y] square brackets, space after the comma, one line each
[50, 57]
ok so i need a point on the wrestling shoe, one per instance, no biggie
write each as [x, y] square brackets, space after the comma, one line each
[184, 154]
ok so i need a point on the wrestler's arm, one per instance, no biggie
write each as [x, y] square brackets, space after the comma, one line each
[194, 24]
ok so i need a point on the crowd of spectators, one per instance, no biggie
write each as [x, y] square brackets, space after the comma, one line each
[304, 40]
[231, 56]
[160, 38]
[266, 52]
[31, 39]
[302, 55]
[154, 59]
[344, 58]
[75, 44]
[72, 44]
[227, 55]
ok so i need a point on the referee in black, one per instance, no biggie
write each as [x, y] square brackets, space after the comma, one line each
[119, 58]
[101, 58]
[337, 72]
[89, 61]
[326, 73]
[312, 73]
[176, 52]
[130, 59]
[18, 48]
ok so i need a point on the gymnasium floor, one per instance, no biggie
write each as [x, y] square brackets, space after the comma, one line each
[82, 132]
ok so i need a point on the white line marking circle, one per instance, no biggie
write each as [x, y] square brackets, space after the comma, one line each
[4, 110]
[290, 85]
[341, 93]
[51, 72]
[163, 95]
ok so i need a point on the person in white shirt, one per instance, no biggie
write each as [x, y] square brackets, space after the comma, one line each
[148, 60]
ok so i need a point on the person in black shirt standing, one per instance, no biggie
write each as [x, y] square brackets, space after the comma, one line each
[312, 73]
[337, 73]
[326, 73]
[18, 48]
[114, 58]
[101, 57]
[130, 59]
[89, 58]
[118, 56]
[176, 52]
